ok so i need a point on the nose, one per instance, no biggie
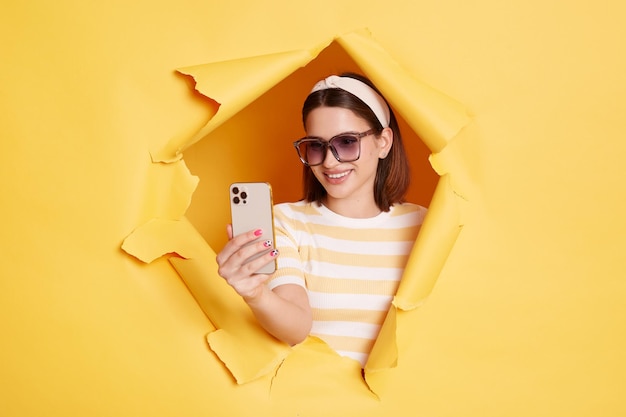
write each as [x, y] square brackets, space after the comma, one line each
[329, 158]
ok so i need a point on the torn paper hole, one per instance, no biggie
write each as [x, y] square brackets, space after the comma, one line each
[237, 85]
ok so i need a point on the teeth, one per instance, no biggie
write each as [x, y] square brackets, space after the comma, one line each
[335, 176]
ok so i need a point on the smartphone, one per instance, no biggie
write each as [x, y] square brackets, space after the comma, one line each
[251, 208]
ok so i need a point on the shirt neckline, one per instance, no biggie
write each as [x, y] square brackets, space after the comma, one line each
[358, 221]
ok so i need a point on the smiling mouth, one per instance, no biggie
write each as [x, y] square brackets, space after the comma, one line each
[337, 176]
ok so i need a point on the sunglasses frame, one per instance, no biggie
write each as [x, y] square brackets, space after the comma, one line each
[328, 145]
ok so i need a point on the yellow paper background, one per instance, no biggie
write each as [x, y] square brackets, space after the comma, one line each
[527, 316]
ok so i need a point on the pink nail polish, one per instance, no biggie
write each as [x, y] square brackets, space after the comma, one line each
[274, 253]
[267, 243]
[258, 232]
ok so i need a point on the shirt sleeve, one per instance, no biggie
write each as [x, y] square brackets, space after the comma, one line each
[289, 265]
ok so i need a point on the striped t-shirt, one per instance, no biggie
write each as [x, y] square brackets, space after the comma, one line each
[351, 268]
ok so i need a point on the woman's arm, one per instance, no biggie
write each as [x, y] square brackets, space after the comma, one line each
[284, 312]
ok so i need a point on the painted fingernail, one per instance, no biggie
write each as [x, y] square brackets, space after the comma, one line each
[274, 253]
[258, 232]
[267, 243]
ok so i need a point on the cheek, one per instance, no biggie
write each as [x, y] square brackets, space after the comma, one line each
[317, 171]
[370, 152]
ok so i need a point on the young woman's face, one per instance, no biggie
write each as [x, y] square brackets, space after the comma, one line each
[348, 184]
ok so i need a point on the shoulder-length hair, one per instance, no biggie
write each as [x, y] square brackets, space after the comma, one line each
[392, 175]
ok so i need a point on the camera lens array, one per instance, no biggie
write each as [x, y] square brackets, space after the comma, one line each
[240, 196]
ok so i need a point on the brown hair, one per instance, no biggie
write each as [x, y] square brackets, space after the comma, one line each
[392, 175]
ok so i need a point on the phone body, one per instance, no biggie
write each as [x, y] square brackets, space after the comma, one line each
[251, 208]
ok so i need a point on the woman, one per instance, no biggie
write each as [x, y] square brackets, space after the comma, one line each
[342, 248]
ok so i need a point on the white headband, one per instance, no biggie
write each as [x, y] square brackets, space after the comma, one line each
[362, 91]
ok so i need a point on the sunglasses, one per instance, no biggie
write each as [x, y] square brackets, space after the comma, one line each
[345, 147]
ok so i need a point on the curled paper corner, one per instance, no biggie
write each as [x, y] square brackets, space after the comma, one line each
[172, 151]
[161, 155]
[313, 361]
[233, 84]
[445, 161]
[159, 237]
[438, 235]
[169, 190]
[434, 116]
[248, 357]
[167, 195]
[455, 161]
[384, 355]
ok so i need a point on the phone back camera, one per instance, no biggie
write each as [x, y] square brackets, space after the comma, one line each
[243, 195]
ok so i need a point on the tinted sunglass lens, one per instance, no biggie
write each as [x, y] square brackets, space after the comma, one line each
[347, 147]
[312, 152]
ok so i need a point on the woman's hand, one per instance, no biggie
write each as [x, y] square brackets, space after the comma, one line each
[232, 264]
[284, 312]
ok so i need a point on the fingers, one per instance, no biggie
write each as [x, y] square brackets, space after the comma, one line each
[241, 257]
[251, 264]
[236, 243]
[242, 276]
[247, 259]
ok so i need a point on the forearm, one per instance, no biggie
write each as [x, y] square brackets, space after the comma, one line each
[284, 313]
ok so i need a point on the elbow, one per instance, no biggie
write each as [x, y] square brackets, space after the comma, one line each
[299, 338]
[295, 341]
[299, 334]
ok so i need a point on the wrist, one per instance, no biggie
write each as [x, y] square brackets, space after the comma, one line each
[257, 299]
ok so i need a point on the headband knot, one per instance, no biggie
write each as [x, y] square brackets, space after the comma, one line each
[362, 91]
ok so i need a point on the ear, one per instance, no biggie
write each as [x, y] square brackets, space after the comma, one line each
[385, 140]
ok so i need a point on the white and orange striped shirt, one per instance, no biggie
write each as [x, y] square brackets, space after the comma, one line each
[351, 268]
